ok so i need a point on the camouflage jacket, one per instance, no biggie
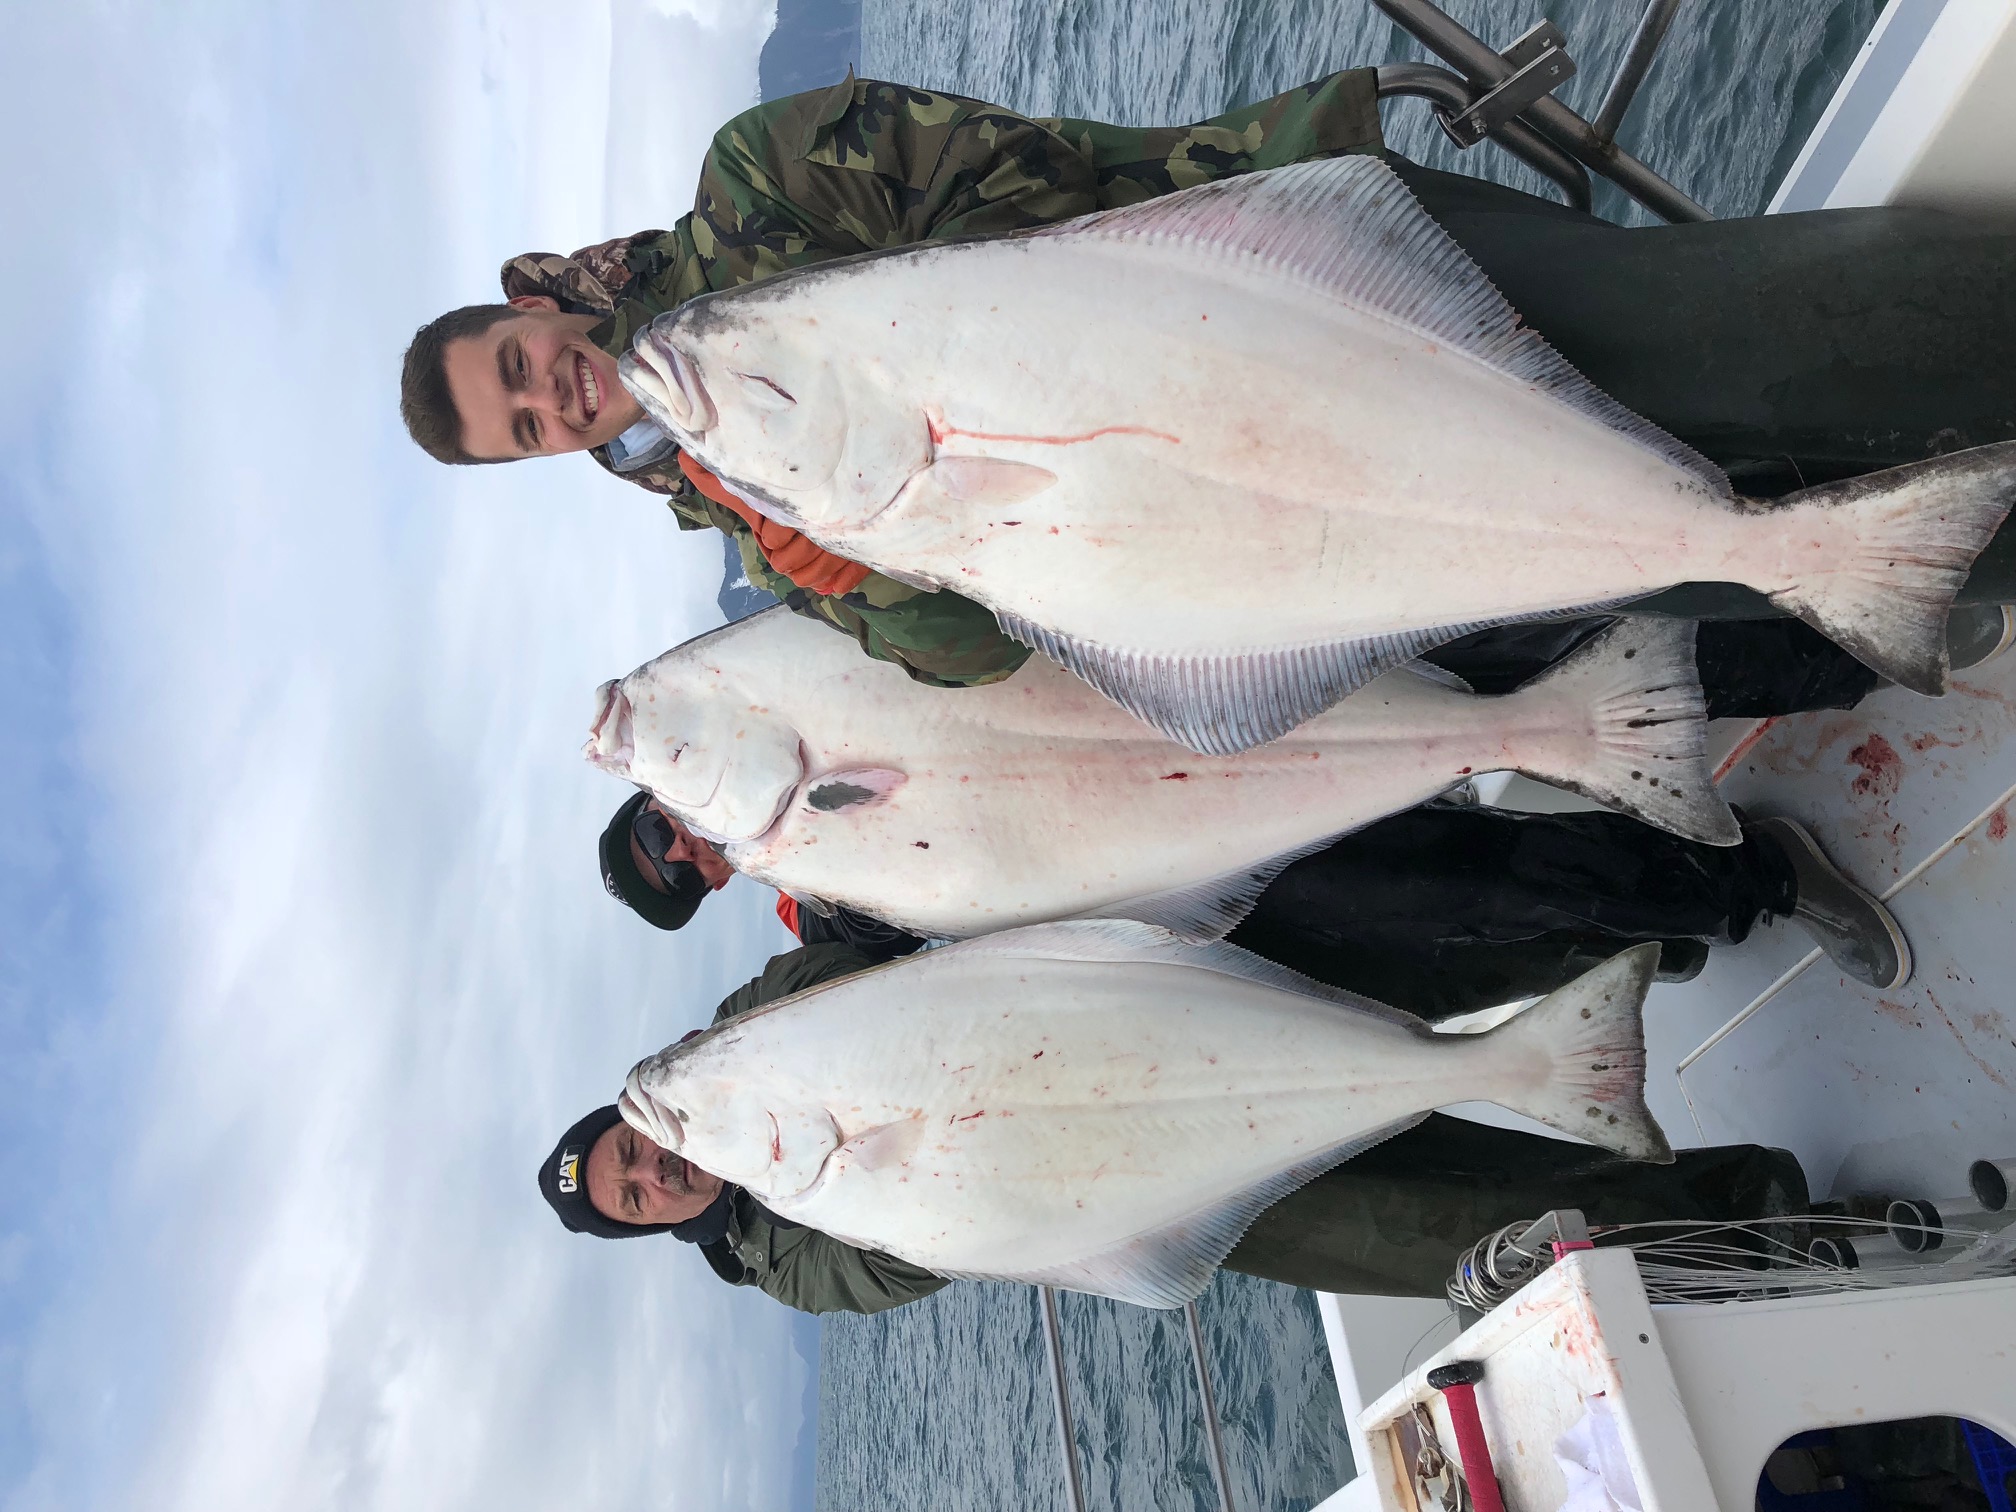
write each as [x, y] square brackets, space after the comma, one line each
[802, 1267]
[866, 165]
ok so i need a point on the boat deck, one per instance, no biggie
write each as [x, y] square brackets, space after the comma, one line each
[1895, 1090]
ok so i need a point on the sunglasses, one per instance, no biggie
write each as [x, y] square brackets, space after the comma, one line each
[655, 836]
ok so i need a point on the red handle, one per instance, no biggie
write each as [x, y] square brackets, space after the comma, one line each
[1461, 1400]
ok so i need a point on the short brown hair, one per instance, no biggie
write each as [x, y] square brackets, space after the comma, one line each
[424, 401]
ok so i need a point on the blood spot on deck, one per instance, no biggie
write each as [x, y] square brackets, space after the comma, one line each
[1882, 768]
[1902, 1013]
[1176, 777]
[921, 844]
[1998, 825]
[1966, 1049]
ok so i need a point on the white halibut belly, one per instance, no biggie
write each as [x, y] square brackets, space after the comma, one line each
[1280, 474]
[997, 825]
[1101, 1106]
[1092, 1114]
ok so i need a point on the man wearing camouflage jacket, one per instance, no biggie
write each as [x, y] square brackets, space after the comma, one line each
[860, 166]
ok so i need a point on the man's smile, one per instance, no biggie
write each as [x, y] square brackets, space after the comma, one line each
[589, 388]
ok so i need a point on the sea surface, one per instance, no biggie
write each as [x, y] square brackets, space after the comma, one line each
[945, 1404]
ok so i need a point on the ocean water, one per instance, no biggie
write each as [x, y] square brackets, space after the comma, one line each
[944, 1405]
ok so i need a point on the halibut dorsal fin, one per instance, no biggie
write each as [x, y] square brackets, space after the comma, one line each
[1168, 1267]
[1126, 940]
[1222, 705]
[1348, 228]
[1213, 908]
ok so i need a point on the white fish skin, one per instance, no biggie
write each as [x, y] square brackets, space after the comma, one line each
[1100, 1106]
[1232, 452]
[954, 813]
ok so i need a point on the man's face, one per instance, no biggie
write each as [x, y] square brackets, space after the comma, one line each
[533, 385]
[633, 1181]
[686, 846]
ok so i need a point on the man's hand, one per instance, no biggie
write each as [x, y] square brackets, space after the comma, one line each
[808, 565]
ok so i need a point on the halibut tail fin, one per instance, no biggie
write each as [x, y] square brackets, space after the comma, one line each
[1917, 530]
[1648, 754]
[1592, 1036]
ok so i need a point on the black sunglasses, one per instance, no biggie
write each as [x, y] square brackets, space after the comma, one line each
[655, 836]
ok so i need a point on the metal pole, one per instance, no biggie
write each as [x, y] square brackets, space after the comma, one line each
[1474, 57]
[1631, 72]
[1424, 81]
[1214, 1440]
[1060, 1396]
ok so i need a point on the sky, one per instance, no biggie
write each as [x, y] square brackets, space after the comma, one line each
[304, 961]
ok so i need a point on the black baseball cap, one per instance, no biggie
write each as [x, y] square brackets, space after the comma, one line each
[627, 885]
[563, 1181]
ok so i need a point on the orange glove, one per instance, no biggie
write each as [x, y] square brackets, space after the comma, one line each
[807, 564]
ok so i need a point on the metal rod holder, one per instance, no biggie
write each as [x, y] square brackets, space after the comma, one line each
[1449, 94]
[1487, 70]
[1542, 64]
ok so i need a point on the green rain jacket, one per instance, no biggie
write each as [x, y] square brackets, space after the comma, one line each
[866, 165]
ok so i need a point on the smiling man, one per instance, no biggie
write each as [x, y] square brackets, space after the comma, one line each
[857, 167]
[533, 385]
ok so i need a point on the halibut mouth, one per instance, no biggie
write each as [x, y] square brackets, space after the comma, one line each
[610, 745]
[666, 382]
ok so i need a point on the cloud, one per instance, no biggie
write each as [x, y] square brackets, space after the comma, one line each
[657, 135]
[324, 964]
[712, 15]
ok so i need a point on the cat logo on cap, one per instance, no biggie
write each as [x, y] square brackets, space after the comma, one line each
[570, 1170]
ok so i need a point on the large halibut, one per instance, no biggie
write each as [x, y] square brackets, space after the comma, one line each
[1100, 1106]
[1230, 453]
[952, 813]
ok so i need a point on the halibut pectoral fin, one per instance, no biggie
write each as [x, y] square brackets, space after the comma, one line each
[1591, 1036]
[854, 788]
[988, 480]
[1170, 1266]
[885, 1145]
[1348, 229]
[1649, 719]
[1222, 705]
[1213, 908]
